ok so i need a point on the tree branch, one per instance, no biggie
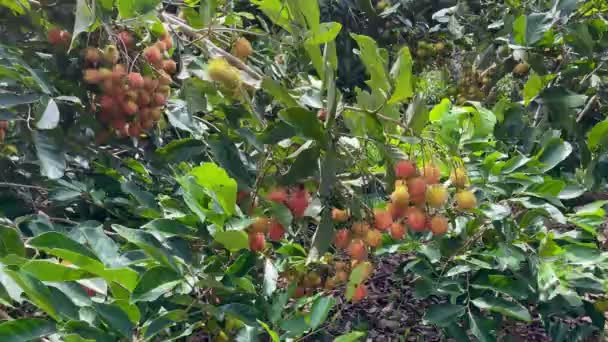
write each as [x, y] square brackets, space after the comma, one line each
[211, 47]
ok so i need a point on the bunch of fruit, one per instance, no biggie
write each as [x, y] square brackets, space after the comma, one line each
[473, 86]
[3, 128]
[242, 48]
[296, 199]
[417, 204]
[429, 49]
[327, 276]
[59, 38]
[225, 74]
[130, 101]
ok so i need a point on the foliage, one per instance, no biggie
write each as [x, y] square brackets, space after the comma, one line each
[236, 189]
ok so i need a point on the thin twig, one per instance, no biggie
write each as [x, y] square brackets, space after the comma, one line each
[211, 47]
[62, 220]
[15, 185]
[221, 28]
[5, 316]
[592, 72]
[587, 108]
[259, 178]
[375, 112]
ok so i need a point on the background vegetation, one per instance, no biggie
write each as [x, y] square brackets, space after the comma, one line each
[293, 169]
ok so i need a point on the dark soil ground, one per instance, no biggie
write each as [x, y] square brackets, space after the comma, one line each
[392, 313]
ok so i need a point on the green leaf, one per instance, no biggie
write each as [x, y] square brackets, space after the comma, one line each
[50, 117]
[10, 242]
[9, 100]
[580, 37]
[440, 110]
[306, 13]
[148, 243]
[50, 154]
[442, 315]
[123, 276]
[143, 197]
[130, 308]
[319, 311]
[164, 321]
[503, 306]
[350, 337]
[207, 12]
[279, 92]
[18, 7]
[103, 246]
[553, 153]
[51, 271]
[229, 158]
[276, 132]
[51, 241]
[510, 286]
[170, 227]
[232, 240]
[270, 278]
[375, 62]
[533, 86]
[314, 53]
[26, 329]
[281, 213]
[221, 187]
[529, 29]
[248, 314]
[305, 164]
[483, 119]
[483, 329]
[562, 106]
[458, 270]
[242, 264]
[276, 11]
[36, 291]
[132, 8]
[362, 124]
[305, 122]
[115, 317]
[181, 150]
[323, 236]
[329, 167]
[84, 19]
[273, 334]
[325, 33]
[357, 276]
[245, 284]
[401, 73]
[598, 136]
[417, 115]
[154, 283]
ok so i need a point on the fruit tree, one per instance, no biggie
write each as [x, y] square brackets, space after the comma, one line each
[246, 170]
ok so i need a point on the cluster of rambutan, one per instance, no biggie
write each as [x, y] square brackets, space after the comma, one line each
[415, 204]
[130, 102]
[327, 277]
[3, 128]
[58, 37]
[296, 199]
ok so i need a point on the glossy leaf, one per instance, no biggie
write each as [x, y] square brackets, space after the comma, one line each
[26, 329]
[401, 73]
[10, 242]
[233, 240]
[319, 311]
[305, 122]
[154, 283]
[503, 306]
[443, 314]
